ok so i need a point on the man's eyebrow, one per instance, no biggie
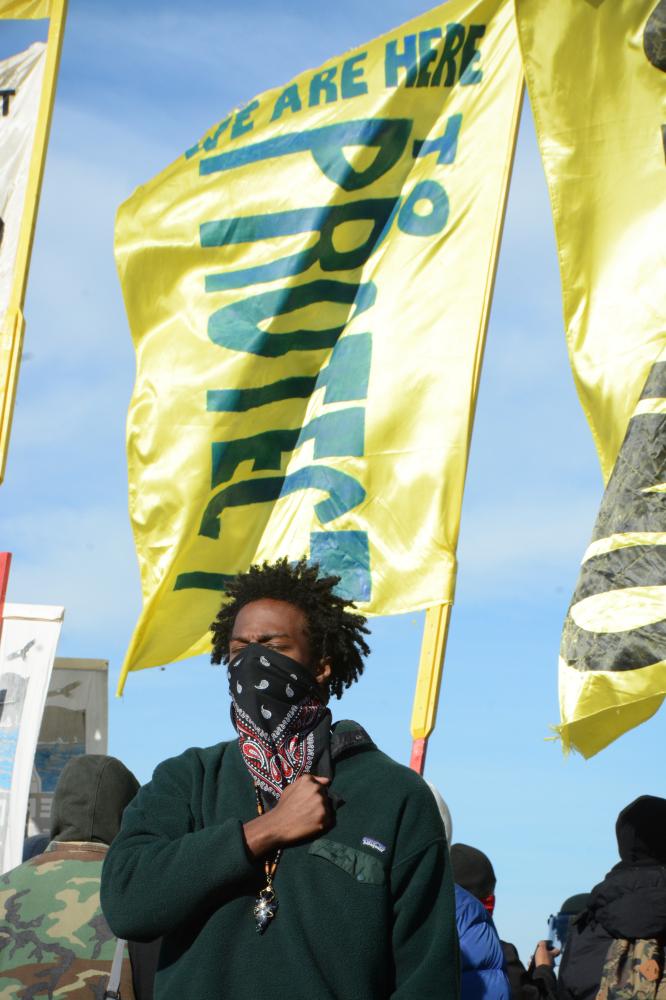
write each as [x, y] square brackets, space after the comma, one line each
[262, 638]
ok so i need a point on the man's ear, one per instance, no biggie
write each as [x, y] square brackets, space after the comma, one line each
[323, 671]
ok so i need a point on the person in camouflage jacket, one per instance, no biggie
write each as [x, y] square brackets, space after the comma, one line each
[54, 940]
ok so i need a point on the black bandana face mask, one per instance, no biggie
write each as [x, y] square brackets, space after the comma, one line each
[282, 724]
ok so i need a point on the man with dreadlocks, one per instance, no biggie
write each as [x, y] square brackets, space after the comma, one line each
[297, 861]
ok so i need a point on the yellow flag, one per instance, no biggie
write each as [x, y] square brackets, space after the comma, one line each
[307, 289]
[24, 9]
[596, 74]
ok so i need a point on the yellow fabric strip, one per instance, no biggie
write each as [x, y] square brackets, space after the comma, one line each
[621, 610]
[650, 406]
[623, 541]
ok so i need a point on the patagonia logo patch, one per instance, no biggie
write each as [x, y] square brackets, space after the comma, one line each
[376, 844]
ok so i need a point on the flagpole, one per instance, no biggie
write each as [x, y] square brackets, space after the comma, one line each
[11, 336]
[436, 627]
[5, 566]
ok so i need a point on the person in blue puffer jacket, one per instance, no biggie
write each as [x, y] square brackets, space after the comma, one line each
[483, 975]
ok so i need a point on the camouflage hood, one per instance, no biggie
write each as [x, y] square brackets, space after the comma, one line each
[90, 797]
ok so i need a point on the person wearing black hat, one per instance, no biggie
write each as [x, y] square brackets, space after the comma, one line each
[473, 870]
[630, 903]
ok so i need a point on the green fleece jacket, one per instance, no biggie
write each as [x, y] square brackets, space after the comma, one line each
[366, 912]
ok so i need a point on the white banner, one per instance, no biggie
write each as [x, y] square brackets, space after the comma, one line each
[20, 91]
[74, 722]
[28, 642]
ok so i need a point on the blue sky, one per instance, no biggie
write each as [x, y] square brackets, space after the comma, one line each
[139, 84]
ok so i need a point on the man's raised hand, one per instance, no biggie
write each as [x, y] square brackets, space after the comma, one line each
[304, 811]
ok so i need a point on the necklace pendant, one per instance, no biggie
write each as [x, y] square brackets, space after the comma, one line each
[265, 908]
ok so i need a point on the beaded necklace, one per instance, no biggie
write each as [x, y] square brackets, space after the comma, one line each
[266, 905]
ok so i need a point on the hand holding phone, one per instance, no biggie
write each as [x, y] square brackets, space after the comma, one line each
[545, 953]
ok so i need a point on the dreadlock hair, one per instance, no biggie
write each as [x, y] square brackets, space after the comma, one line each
[333, 631]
